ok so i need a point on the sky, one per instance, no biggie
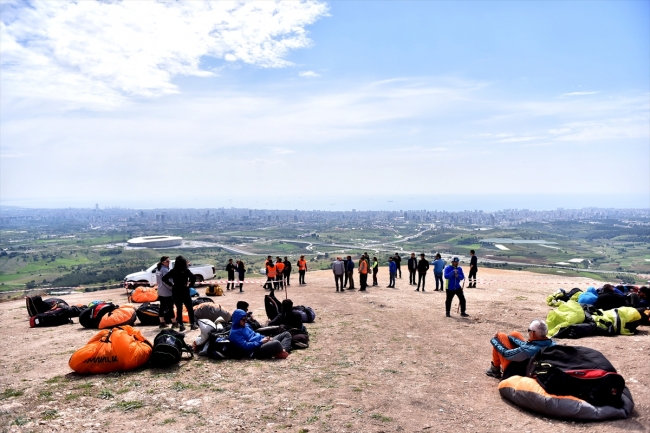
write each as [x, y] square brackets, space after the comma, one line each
[325, 105]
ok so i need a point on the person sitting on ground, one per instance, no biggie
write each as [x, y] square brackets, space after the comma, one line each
[255, 345]
[243, 305]
[289, 318]
[609, 299]
[515, 348]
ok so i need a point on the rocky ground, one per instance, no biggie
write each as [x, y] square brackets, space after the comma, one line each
[385, 360]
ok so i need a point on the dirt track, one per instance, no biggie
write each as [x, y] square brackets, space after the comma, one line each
[387, 360]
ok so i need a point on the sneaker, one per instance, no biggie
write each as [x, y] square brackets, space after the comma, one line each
[464, 315]
[301, 345]
[493, 371]
[417, 290]
[193, 327]
[162, 326]
[448, 315]
[181, 327]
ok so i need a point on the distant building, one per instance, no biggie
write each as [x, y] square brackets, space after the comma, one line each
[155, 241]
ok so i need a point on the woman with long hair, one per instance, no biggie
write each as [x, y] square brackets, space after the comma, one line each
[179, 277]
[164, 292]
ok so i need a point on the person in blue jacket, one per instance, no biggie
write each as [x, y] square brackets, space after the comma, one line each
[454, 275]
[256, 345]
[392, 272]
[438, 269]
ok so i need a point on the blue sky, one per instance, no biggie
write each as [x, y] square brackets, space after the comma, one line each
[327, 104]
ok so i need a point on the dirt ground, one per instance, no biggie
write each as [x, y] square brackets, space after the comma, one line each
[381, 361]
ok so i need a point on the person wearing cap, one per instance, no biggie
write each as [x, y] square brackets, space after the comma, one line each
[338, 269]
[454, 275]
[255, 345]
[515, 348]
[423, 267]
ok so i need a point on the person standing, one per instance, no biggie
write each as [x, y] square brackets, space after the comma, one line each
[268, 285]
[392, 272]
[438, 269]
[363, 274]
[375, 269]
[302, 268]
[454, 275]
[423, 267]
[349, 271]
[241, 270]
[338, 269]
[230, 269]
[287, 270]
[271, 273]
[412, 265]
[345, 275]
[279, 269]
[179, 277]
[166, 311]
[473, 267]
[398, 262]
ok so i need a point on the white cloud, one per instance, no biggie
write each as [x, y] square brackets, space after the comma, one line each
[309, 74]
[579, 93]
[101, 54]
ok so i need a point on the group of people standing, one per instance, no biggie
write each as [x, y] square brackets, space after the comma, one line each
[174, 290]
[278, 273]
[343, 270]
[239, 268]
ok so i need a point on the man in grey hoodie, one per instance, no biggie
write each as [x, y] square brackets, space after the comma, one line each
[338, 268]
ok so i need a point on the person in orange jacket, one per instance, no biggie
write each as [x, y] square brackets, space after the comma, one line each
[271, 274]
[363, 274]
[279, 266]
[302, 268]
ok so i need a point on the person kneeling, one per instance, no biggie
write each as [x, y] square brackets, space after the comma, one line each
[256, 345]
[515, 348]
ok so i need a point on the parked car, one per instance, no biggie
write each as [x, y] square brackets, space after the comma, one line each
[148, 276]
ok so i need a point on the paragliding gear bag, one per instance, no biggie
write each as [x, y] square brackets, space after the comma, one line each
[577, 371]
[56, 317]
[168, 348]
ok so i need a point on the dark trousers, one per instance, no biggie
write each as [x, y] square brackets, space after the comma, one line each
[421, 280]
[391, 280]
[450, 297]
[438, 278]
[399, 270]
[301, 277]
[363, 281]
[374, 277]
[286, 278]
[270, 283]
[231, 281]
[349, 278]
[279, 283]
[472, 276]
[241, 284]
[166, 307]
[338, 278]
[412, 276]
[269, 349]
[181, 299]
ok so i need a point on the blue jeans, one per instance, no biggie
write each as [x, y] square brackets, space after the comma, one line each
[439, 278]
[391, 279]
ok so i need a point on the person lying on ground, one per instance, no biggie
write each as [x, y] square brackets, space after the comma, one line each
[515, 348]
[256, 345]
[609, 299]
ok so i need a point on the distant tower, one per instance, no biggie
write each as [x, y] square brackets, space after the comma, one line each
[406, 216]
[96, 206]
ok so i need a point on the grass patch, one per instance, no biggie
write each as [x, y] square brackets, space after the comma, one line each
[128, 405]
[179, 386]
[169, 421]
[10, 392]
[54, 379]
[86, 385]
[380, 417]
[105, 394]
[312, 419]
[45, 394]
[20, 421]
[50, 414]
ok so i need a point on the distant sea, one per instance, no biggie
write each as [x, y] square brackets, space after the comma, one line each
[404, 202]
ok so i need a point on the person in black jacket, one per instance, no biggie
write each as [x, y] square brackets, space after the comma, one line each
[178, 278]
[292, 321]
[287, 270]
[423, 267]
[609, 299]
[398, 261]
[412, 267]
[230, 269]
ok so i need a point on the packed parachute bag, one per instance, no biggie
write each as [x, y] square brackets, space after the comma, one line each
[211, 311]
[168, 349]
[201, 300]
[272, 305]
[36, 304]
[307, 313]
[148, 314]
[144, 294]
[55, 317]
[214, 290]
[92, 316]
[562, 295]
[124, 315]
[118, 349]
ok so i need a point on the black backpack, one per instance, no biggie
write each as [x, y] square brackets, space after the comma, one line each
[168, 348]
[307, 313]
[36, 304]
[148, 314]
[272, 306]
[90, 317]
[578, 371]
[56, 317]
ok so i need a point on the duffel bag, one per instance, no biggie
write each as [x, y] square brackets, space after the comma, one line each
[56, 317]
